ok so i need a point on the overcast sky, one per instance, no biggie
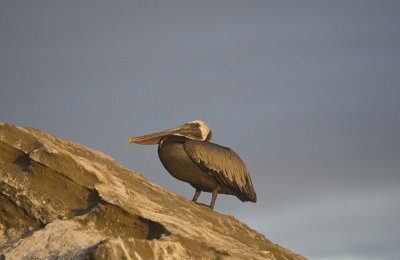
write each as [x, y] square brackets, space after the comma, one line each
[306, 92]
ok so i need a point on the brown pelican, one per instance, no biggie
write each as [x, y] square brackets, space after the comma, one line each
[187, 154]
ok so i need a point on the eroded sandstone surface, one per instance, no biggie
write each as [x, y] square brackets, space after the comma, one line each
[60, 200]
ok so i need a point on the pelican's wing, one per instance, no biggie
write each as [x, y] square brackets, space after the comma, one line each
[224, 165]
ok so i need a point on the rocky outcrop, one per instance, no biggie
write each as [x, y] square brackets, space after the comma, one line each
[61, 200]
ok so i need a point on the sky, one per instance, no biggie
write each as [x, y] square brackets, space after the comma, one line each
[306, 92]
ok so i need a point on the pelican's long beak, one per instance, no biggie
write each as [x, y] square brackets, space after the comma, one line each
[182, 130]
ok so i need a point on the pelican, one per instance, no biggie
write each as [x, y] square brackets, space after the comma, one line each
[187, 154]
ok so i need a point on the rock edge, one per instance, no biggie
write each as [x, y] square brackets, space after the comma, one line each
[60, 200]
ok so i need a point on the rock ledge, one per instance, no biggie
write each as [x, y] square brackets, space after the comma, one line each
[60, 200]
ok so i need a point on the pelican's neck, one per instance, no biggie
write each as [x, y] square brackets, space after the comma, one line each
[172, 139]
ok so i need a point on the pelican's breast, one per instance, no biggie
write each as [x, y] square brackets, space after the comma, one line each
[179, 165]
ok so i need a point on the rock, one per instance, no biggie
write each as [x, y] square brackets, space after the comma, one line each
[61, 200]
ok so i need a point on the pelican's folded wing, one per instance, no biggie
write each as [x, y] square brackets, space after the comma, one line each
[224, 164]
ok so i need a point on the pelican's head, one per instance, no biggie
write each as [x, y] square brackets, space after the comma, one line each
[196, 130]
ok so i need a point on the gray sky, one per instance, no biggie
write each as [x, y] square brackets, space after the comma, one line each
[306, 92]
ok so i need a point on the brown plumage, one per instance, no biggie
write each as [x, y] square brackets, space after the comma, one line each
[224, 165]
[187, 154]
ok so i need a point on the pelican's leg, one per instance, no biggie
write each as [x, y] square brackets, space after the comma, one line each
[196, 195]
[214, 196]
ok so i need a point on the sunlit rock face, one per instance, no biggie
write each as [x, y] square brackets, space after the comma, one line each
[61, 200]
